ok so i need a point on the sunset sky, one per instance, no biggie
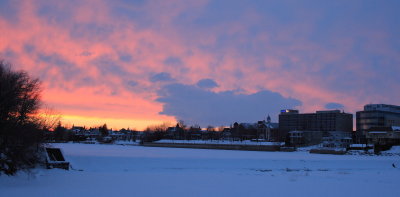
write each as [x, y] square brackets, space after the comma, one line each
[144, 62]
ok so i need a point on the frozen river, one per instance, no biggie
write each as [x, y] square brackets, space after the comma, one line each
[115, 170]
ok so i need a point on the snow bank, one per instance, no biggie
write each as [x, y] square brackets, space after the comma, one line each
[393, 150]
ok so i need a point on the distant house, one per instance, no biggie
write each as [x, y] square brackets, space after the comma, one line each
[77, 130]
[244, 131]
[226, 134]
[332, 139]
[263, 130]
[176, 132]
[384, 135]
[117, 135]
[337, 139]
[267, 130]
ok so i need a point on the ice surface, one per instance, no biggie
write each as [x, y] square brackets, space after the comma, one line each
[115, 170]
[244, 142]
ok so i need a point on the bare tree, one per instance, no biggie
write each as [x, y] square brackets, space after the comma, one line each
[221, 128]
[159, 127]
[182, 124]
[210, 128]
[48, 118]
[20, 134]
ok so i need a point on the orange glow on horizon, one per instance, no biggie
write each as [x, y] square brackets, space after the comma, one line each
[112, 123]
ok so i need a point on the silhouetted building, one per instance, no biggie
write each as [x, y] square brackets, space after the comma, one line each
[384, 135]
[304, 138]
[176, 132]
[331, 120]
[377, 115]
[268, 130]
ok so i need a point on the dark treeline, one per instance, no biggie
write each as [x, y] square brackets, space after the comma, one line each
[21, 132]
[236, 132]
[100, 134]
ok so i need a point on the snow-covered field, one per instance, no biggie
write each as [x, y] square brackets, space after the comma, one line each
[115, 170]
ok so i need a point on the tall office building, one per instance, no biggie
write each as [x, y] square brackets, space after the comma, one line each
[377, 115]
[331, 120]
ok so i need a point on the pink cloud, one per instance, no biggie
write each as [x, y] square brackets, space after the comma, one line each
[78, 57]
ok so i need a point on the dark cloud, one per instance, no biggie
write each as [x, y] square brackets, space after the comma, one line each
[238, 74]
[132, 83]
[91, 31]
[67, 68]
[56, 14]
[29, 48]
[8, 53]
[162, 76]
[109, 66]
[334, 106]
[86, 81]
[125, 58]
[173, 61]
[207, 83]
[196, 105]
[9, 11]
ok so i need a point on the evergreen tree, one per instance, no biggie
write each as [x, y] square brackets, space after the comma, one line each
[104, 130]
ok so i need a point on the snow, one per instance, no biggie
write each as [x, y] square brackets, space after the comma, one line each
[360, 145]
[396, 128]
[378, 132]
[115, 170]
[244, 142]
[393, 150]
[124, 142]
